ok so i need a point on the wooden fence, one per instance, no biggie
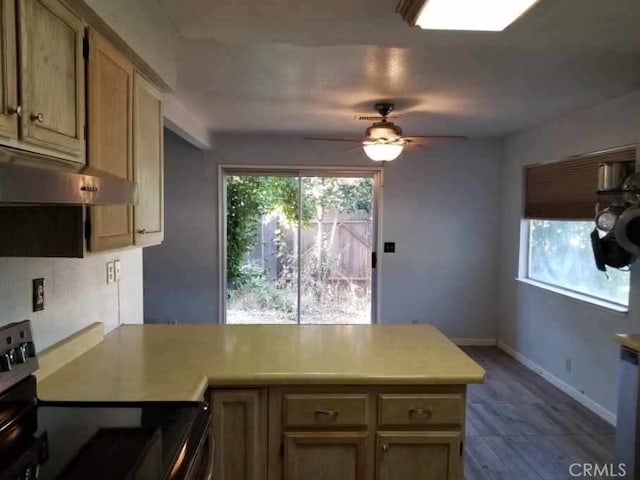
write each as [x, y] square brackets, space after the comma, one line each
[345, 247]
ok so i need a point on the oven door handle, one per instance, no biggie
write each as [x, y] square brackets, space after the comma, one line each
[210, 460]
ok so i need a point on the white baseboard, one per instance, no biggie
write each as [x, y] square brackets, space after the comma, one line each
[579, 397]
[475, 342]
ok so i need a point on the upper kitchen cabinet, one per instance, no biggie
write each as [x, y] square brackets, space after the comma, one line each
[51, 76]
[148, 162]
[8, 73]
[110, 138]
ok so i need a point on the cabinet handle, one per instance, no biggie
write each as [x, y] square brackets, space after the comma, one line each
[385, 448]
[142, 231]
[326, 413]
[37, 117]
[420, 412]
[15, 110]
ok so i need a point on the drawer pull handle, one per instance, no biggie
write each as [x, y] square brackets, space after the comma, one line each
[419, 412]
[37, 117]
[326, 413]
[385, 448]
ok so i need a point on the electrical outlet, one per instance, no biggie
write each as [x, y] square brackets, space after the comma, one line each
[118, 270]
[38, 294]
[111, 273]
[389, 247]
[567, 364]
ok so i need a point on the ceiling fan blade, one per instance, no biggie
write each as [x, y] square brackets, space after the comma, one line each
[375, 118]
[351, 149]
[436, 137]
[415, 145]
[322, 139]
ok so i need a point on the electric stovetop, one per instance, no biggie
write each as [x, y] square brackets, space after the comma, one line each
[93, 440]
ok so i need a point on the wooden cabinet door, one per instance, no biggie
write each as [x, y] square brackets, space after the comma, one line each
[110, 97]
[325, 456]
[240, 432]
[148, 163]
[8, 72]
[418, 456]
[52, 77]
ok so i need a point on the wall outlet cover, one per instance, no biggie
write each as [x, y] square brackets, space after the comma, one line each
[111, 273]
[38, 294]
[118, 270]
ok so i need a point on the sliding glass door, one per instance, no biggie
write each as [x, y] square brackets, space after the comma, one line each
[298, 247]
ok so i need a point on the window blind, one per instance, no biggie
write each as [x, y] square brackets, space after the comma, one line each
[567, 189]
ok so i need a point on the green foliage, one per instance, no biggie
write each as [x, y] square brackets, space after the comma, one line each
[249, 198]
[334, 193]
[561, 255]
[243, 210]
[356, 197]
[253, 290]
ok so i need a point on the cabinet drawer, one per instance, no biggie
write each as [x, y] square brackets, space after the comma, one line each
[424, 409]
[325, 410]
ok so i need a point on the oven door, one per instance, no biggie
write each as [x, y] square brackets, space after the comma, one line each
[202, 467]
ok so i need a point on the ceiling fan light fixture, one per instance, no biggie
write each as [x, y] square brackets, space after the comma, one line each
[383, 152]
[387, 130]
[477, 15]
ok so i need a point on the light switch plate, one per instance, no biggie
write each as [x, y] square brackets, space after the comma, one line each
[111, 273]
[38, 294]
[118, 271]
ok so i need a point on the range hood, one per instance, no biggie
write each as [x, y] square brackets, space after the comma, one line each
[25, 181]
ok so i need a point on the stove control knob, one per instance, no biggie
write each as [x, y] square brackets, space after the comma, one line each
[21, 354]
[27, 475]
[30, 348]
[5, 363]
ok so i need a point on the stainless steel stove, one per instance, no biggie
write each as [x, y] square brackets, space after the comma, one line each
[93, 440]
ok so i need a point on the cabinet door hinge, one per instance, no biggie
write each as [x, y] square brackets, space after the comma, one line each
[374, 260]
[85, 47]
[461, 448]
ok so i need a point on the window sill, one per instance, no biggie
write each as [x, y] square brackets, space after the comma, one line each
[577, 297]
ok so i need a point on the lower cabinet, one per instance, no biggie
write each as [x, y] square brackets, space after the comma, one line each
[325, 455]
[240, 433]
[339, 433]
[418, 456]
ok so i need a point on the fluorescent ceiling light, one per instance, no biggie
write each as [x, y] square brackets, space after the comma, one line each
[383, 152]
[481, 15]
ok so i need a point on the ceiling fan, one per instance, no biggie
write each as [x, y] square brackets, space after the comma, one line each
[384, 140]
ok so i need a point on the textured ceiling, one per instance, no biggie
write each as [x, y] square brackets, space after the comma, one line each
[307, 67]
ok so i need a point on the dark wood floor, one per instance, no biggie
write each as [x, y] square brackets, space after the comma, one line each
[520, 427]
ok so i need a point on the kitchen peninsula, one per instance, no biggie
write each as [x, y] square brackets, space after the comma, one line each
[296, 402]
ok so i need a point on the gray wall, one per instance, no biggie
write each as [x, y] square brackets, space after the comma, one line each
[180, 276]
[440, 205]
[76, 293]
[545, 327]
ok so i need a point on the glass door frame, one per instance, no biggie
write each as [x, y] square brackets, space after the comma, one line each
[377, 173]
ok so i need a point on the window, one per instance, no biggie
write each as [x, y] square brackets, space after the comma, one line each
[560, 255]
